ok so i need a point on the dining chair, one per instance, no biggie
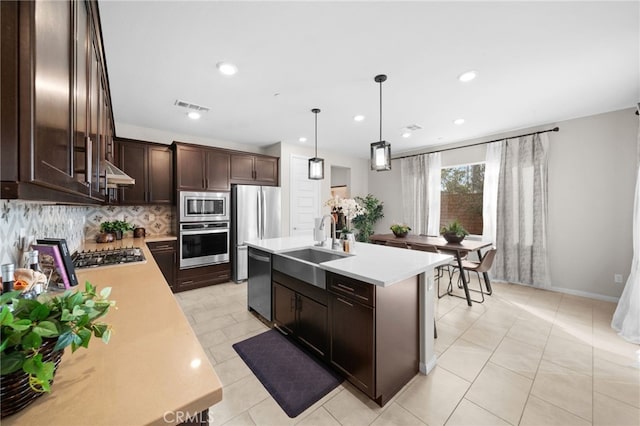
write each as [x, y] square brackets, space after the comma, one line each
[439, 269]
[399, 244]
[483, 266]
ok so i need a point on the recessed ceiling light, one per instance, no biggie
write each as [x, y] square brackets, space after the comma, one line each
[406, 134]
[458, 121]
[302, 139]
[193, 115]
[467, 76]
[226, 68]
[358, 117]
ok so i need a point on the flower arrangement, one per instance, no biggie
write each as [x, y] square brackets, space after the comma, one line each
[347, 206]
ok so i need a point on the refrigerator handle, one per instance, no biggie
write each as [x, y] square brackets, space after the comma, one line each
[260, 213]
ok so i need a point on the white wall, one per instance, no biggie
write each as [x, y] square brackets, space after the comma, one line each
[340, 176]
[359, 182]
[592, 166]
[124, 130]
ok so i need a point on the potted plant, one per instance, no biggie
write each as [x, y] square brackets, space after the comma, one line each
[365, 222]
[117, 228]
[454, 232]
[34, 333]
[400, 229]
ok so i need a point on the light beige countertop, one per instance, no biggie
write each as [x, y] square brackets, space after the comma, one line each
[152, 369]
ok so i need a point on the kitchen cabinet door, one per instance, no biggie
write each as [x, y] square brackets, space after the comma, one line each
[254, 169]
[218, 170]
[164, 253]
[311, 326]
[284, 308]
[190, 168]
[132, 159]
[266, 170]
[242, 168]
[351, 331]
[160, 177]
[53, 50]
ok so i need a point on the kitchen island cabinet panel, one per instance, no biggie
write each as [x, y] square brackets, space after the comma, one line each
[352, 339]
[300, 310]
[374, 340]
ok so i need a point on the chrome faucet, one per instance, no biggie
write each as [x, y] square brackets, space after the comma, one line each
[335, 244]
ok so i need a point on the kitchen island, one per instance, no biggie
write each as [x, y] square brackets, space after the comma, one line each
[153, 371]
[382, 267]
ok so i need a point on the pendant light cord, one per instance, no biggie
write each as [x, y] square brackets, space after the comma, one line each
[316, 156]
[380, 110]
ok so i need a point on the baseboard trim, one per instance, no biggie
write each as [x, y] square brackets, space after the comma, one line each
[568, 291]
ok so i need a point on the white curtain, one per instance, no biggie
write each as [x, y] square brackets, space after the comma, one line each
[626, 319]
[490, 191]
[521, 233]
[420, 177]
[434, 179]
[415, 200]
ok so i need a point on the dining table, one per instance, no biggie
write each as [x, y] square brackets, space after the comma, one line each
[458, 250]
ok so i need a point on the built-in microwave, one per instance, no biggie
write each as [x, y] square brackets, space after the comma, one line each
[203, 206]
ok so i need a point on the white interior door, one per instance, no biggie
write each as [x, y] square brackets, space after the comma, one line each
[305, 198]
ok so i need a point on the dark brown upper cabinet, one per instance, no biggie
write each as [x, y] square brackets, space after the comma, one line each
[56, 114]
[254, 169]
[201, 169]
[151, 165]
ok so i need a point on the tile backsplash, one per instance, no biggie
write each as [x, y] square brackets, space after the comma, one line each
[74, 223]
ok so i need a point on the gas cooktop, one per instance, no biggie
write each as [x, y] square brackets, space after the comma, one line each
[106, 257]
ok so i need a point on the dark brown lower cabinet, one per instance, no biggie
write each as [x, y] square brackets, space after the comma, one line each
[300, 310]
[164, 253]
[188, 279]
[373, 334]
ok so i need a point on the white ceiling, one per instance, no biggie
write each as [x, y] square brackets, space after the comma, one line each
[537, 63]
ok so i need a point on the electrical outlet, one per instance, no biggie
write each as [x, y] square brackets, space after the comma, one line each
[617, 278]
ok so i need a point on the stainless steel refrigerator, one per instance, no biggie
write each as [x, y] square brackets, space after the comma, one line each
[255, 214]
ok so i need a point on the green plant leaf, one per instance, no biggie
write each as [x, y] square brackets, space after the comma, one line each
[105, 292]
[11, 362]
[32, 340]
[46, 329]
[106, 336]
[85, 336]
[78, 311]
[64, 340]
[6, 317]
[6, 297]
[20, 325]
[40, 312]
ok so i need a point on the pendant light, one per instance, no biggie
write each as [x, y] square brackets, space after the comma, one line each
[316, 165]
[381, 150]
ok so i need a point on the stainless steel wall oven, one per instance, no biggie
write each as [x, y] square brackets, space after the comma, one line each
[203, 243]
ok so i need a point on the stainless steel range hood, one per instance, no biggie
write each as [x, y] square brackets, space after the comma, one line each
[114, 177]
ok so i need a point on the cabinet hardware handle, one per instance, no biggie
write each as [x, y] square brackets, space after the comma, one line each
[344, 287]
[344, 301]
[187, 282]
[161, 247]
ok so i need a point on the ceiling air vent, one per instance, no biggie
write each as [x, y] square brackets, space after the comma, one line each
[414, 127]
[190, 106]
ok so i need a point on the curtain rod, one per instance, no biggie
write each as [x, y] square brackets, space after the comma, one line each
[555, 129]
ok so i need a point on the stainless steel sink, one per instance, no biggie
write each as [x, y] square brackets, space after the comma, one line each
[303, 264]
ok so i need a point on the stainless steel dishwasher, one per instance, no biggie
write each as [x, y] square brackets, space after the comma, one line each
[259, 282]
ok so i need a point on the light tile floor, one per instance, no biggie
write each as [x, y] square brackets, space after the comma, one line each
[524, 357]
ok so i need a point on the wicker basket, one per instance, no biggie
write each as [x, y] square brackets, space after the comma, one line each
[15, 392]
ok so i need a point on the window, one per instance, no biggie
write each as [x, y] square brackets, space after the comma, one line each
[461, 196]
